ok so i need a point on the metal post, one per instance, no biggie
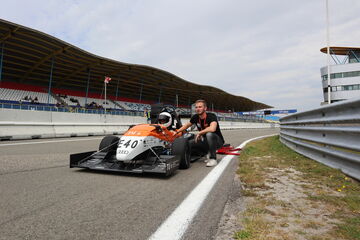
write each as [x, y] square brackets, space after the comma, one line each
[334, 57]
[50, 80]
[328, 51]
[117, 91]
[87, 87]
[189, 104]
[160, 94]
[177, 100]
[353, 53]
[1, 60]
[105, 99]
[141, 89]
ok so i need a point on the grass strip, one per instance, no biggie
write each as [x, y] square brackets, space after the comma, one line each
[289, 196]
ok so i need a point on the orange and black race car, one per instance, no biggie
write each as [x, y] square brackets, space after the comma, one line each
[144, 148]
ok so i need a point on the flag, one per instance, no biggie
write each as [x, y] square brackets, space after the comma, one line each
[107, 79]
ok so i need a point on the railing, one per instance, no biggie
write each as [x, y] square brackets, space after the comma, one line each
[330, 135]
[52, 108]
[37, 107]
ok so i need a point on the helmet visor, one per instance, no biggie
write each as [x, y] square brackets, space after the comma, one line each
[162, 121]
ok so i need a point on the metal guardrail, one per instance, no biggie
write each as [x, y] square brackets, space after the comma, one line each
[329, 134]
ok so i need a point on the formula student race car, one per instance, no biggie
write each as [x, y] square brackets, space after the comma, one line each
[144, 148]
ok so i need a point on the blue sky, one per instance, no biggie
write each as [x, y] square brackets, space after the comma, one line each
[265, 50]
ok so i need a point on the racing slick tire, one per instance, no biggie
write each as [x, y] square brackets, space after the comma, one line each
[181, 147]
[107, 141]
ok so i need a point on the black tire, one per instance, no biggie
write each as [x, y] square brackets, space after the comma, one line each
[181, 147]
[106, 142]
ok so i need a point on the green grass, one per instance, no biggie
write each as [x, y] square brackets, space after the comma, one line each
[351, 228]
[328, 186]
[242, 234]
[284, 158]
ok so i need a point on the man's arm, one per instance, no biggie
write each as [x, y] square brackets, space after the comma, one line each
[211, 128]
[185, 126]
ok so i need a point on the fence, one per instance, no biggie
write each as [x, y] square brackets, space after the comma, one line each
[53, 108]
[329, 134]
[36, 107]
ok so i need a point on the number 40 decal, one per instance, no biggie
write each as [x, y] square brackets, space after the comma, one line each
[128, 143]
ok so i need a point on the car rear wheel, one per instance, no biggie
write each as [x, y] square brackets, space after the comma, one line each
[108, 143]
[181, 148]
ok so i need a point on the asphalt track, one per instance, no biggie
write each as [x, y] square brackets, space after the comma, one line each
[42, 198]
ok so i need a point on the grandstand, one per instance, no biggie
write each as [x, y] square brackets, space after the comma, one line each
[134, 106]
[38, 69]
[76, 101]
[23, 96]
[24, 99]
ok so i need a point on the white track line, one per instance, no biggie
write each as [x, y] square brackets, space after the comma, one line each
[56, 141]
[177, 223]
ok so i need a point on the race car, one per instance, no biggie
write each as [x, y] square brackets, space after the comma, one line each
[143, 148]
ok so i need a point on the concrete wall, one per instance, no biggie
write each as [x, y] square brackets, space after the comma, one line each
[15, 115]
[27, 124]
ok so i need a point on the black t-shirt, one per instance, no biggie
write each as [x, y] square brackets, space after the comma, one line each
[204, 123]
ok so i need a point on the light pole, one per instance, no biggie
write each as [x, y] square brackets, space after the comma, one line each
[328, 51]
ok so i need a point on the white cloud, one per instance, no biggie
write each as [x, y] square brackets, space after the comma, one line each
[267, 51]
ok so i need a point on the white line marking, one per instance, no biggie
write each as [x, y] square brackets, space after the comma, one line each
[25, 143]
[177, 223]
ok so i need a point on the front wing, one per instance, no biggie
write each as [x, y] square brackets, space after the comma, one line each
[106, 161]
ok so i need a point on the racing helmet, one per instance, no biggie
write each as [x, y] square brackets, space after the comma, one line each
[165, 119]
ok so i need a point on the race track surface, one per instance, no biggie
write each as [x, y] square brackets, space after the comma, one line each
[42, 198]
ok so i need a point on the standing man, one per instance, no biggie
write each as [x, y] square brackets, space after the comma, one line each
[209, 137]
[147, 115]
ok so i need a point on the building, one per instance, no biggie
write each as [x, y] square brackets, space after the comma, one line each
[344, 74]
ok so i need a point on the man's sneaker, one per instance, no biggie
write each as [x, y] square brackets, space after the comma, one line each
[207, 158]
[211, 163]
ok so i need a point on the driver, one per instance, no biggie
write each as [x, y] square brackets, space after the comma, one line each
[209, 137]
[166, 120]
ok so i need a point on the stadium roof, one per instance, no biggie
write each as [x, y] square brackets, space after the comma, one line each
[340, 50]
[28, 55]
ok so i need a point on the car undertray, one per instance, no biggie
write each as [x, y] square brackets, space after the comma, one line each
[106, 161]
